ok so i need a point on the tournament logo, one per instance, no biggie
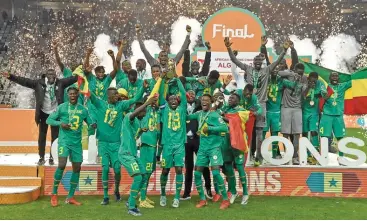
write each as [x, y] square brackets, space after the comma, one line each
[243, 27]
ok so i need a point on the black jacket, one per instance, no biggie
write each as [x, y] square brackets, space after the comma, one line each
[39, 87]
[193, 124]
[186, 65]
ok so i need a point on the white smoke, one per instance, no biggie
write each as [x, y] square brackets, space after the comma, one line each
[339, 51]
[151, 45]
[305, 47]
[179, 33]
[102, 45]
[24, 96]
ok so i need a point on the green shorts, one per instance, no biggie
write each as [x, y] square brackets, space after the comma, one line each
[132, 165]
[273, 122]
[109, 153]
[173, 155]
[310, 122]
[226, 150]
[231, 154]
[148, 157]
[75, 153]
[332, 124]
[211, 157]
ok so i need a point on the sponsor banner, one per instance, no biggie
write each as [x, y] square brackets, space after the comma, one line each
[277, 181]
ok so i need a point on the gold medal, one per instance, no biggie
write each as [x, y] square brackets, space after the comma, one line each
[334, 103]
[274, 99]
[312, 103]
[198, 133]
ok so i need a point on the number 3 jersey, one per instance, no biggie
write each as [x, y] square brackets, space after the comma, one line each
[74, 115]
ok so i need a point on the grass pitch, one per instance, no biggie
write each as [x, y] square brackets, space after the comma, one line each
[259, 207]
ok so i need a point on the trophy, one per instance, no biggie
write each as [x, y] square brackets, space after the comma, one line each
[171, 69]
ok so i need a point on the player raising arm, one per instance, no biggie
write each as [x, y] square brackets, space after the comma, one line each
[128, 156]
[173, 141]
[69, 116]
[109, 119]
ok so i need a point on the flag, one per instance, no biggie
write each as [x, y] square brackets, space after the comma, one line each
[237, 126]
[155, 89]
[88, 180]
[250, 127]
[358, 105]
[84, 88]
[319, 182]
[355, 102]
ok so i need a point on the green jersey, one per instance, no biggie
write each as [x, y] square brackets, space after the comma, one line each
[129, 131]
[68, 73]
[99, 87]
[310, 102]
[109, 117]
[174, 121]
[216, 126]
[151, 121]
[73, 115]
[206, 88]
[251, 104]
[131, 88]
[335, 104]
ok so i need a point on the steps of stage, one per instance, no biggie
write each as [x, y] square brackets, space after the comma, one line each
[12, 147]
[14, 181]
[18, 195]
[19, 184]
[16, 170]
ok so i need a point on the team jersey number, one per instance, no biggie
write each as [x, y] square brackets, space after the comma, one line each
[110, 117]
[174, 121]
[153, 122]
[207, 90]
[134, 167]
[75, 123]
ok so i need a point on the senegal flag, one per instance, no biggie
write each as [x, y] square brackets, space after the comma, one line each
[237, 130]
[356, 97]
[84, 89]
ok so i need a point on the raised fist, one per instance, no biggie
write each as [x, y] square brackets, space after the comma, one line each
[110, 53]
[264, 40]
[138, 28]
[188, 28]
[208, 46]
[227, 43]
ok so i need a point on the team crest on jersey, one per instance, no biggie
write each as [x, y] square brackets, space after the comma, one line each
[215, 157]
[221, 121]
[241, 156]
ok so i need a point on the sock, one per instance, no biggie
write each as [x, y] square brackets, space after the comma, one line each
[220, 181]
[105, 182]
[264, 134]
[179, 181]
[275, 146]
[163, 179]
[231, 178]
[143, 193]
[57, 179]
[216, 188]
[74, 181]
[159, 152]
[134, 191]
[242, 173]
[315, 142]
[199, 184]
[296, 145]
[117, 171]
